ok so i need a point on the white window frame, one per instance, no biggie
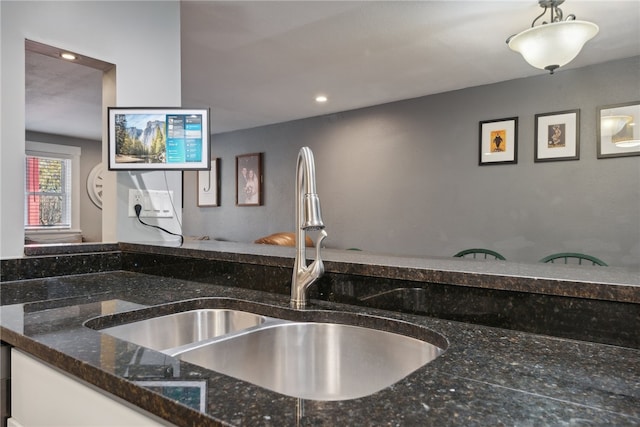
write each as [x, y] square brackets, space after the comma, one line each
[41, 149]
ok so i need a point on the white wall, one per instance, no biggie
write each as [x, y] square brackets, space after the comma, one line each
[142, 38]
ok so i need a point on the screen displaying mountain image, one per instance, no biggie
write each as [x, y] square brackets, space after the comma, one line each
[158, 138]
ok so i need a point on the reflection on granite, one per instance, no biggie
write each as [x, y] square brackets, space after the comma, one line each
[606, 322]
[487, 376]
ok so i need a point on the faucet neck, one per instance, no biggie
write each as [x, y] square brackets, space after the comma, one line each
[306, 171]
[307, 217]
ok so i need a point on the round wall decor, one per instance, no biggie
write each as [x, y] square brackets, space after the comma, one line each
[94, 185]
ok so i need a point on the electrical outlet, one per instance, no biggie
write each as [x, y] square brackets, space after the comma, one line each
[154, 203]
[135, 198]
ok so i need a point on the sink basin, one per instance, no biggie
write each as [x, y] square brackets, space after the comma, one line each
[319, 361]
[300, 354]
[179, 329]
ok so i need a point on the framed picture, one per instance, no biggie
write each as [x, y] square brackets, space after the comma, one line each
[152, 138]
[499, 141]
[209, 185]
[618, 130]
[557, 136]
[249, 180]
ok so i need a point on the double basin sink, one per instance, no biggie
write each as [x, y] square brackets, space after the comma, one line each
[319, 360]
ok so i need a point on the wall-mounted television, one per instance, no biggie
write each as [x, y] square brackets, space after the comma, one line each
[158, 138]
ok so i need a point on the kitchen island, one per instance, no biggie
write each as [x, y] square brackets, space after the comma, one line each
[486, 376]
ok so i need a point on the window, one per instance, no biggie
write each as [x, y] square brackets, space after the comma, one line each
[51, 187]
[48, 192]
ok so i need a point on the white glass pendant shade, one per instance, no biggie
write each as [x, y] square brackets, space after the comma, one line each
[549, 46]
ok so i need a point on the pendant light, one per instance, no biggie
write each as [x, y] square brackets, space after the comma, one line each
[552, 44]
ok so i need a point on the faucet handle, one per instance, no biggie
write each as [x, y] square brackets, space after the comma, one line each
[321, 236]
[316, 269]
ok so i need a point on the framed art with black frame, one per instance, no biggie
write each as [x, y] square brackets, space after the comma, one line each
[249, 179]
[557, 136]
[499, 141]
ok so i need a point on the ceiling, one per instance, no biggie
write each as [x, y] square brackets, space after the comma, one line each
[262, 62]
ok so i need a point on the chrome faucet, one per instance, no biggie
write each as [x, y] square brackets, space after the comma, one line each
[308, 218]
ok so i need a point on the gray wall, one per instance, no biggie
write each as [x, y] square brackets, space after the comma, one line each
[91, 155]
[404, 178]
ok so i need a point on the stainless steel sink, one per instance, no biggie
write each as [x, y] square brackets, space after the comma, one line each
[314, 360]
[179, 329]
[319, 361]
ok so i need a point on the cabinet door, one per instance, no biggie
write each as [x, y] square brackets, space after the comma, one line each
[42, 395]
[5, 371]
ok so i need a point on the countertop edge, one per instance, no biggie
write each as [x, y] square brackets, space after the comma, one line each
[110, 383]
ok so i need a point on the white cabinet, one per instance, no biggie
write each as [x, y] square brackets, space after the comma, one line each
[4, 382]
[42, 395]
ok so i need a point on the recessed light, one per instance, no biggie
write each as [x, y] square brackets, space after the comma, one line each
[321, 98]
[68, 56]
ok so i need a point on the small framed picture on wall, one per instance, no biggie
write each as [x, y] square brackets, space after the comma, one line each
[557, 136]
[249, 179]
[618, 130]
[209, 185]
[499, 141]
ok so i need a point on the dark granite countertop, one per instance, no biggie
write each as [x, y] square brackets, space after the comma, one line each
[589, 282]
[487, 376]
[611, 284]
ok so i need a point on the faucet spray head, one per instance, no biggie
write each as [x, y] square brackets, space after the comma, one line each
[312, 214]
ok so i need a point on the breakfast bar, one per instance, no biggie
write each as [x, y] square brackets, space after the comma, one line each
[494, 370]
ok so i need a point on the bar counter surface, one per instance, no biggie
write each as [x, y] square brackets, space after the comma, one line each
[486, 376]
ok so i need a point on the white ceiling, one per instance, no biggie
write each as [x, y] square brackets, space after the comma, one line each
[262, 62]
